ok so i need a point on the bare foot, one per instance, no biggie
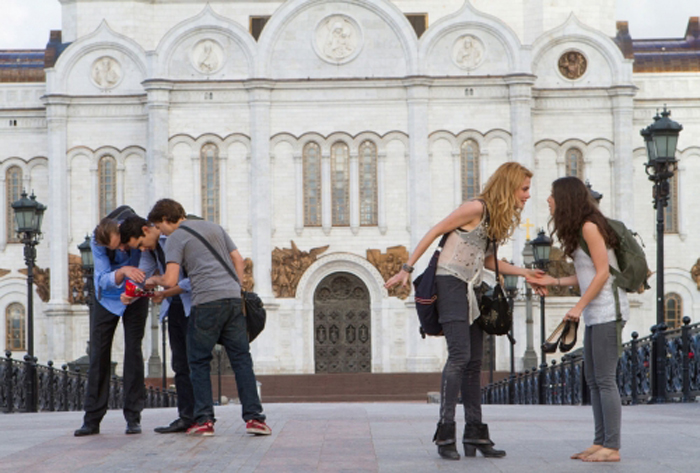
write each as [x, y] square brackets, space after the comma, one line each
[603, 455]
[589, 451]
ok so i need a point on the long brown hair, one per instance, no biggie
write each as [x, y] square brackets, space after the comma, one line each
[574, 206]
[501, 201]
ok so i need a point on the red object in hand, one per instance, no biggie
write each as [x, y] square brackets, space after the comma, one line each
[132, 290]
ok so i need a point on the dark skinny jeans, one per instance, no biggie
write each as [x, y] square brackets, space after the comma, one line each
[462, 372]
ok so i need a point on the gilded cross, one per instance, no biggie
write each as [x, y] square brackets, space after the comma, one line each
[527, 226]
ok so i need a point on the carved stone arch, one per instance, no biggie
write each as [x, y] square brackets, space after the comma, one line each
[340, 136]
[573, 31]
[365, 136]
[469, 19]
[209, 138]
[443, 135]
[180, 139]
[689, 151]
[205, 21]
[391, 136]
[102, 151]
[317, 138]
[289, 10]
[102, 40]
[235, 138]
[498, 134]
[14, 161]
[288, 138]
[679, 280]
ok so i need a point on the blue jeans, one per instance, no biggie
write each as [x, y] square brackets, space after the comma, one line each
[222, 322]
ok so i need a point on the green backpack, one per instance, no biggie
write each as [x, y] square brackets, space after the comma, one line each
[634, 270]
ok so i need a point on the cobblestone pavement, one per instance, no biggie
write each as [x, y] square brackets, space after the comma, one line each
[377, 437]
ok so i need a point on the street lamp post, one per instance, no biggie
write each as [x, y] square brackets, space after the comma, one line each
[530, 356]
[29, 214]
[660, 138]
[541, 246]
[511, 284]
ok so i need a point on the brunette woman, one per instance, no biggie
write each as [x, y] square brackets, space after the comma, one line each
[493, 215]
[575, 215]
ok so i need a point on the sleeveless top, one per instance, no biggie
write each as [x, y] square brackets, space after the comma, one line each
[463, 258]
[601, 309]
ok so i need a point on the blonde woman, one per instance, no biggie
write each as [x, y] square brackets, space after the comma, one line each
[495, 214]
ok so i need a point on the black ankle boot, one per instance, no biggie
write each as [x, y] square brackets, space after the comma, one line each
[446, 439]
[476, 437]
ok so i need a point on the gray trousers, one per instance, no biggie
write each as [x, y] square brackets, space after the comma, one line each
[462, 372]
[600, 360]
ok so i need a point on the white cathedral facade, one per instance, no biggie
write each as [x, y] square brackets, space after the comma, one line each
[327, 136]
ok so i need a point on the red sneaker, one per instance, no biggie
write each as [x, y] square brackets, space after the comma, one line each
[205, 429]
[257, 427]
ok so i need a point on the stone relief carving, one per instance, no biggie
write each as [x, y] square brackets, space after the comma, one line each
[4, 272]
[42, 282]
[695, 273]
[468, 52]
[572, 64]
[248, 280]
[338, 39]
[106, 72]
[559, 267]
[76, 284]
[207, 56]
[388, 264]
[288, 266]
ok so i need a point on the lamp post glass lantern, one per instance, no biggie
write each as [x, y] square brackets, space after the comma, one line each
[28, 218]
[541, 247]
[661, 139]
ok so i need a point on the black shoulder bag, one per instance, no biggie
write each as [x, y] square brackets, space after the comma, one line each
[426, 296]
[496, 315]
[253, 308]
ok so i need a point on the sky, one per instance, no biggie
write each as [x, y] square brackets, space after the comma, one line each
[25, 24]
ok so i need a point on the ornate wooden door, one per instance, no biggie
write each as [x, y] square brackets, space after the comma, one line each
[342, 342]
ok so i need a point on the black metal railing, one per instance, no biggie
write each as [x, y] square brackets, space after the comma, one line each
[564, 382]
[61, 389]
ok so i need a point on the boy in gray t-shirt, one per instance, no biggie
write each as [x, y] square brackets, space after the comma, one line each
[216, 316]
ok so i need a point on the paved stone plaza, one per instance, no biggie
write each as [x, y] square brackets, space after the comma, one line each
[382, 437]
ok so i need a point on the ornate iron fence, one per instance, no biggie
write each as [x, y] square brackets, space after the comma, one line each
[60, 389]
[564, 382]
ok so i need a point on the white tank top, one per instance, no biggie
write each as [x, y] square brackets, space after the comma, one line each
[601, 309]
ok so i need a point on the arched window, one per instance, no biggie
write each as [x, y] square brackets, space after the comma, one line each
[312, 185]
[671, 211]
[107, 170]
[673, 308]
[210, 182]
[13, 191]
[470, 170]
[15, 322]
[340, 184]
[368, 183]
[574, 163]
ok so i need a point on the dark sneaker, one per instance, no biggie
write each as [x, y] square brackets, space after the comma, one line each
[133, 427]
[257, 427]
[178, 425]
[205, 429]
[87, 429]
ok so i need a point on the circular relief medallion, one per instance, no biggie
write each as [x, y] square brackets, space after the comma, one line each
[338, 39]
[572, 64]
[207, 56]
[106, 72]
[468, 52]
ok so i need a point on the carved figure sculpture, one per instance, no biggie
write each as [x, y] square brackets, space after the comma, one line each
[106, 72]
[695, 273]
[339, 43]
[248, 280]
[388, 264]
[288, 266]
[76, 284]
[468, 52]
[207, 60]
[572, 64]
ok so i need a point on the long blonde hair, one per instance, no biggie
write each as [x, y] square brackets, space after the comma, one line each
[501, 201]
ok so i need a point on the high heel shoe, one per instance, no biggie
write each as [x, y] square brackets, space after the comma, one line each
[568, 338]
[445, 439]
[476, 437]
[550, 345]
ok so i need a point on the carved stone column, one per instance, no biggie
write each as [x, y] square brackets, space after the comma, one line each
[157, 164]
[260, 190]
[354, 192]
[326, 193]
[299, 185]
[623, 131]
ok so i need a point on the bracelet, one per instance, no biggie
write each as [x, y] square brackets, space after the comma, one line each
[407, 267]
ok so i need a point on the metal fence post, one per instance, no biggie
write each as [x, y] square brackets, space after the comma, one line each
[634, 358]
[9, 389]
[685, 337]
[543, 384]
